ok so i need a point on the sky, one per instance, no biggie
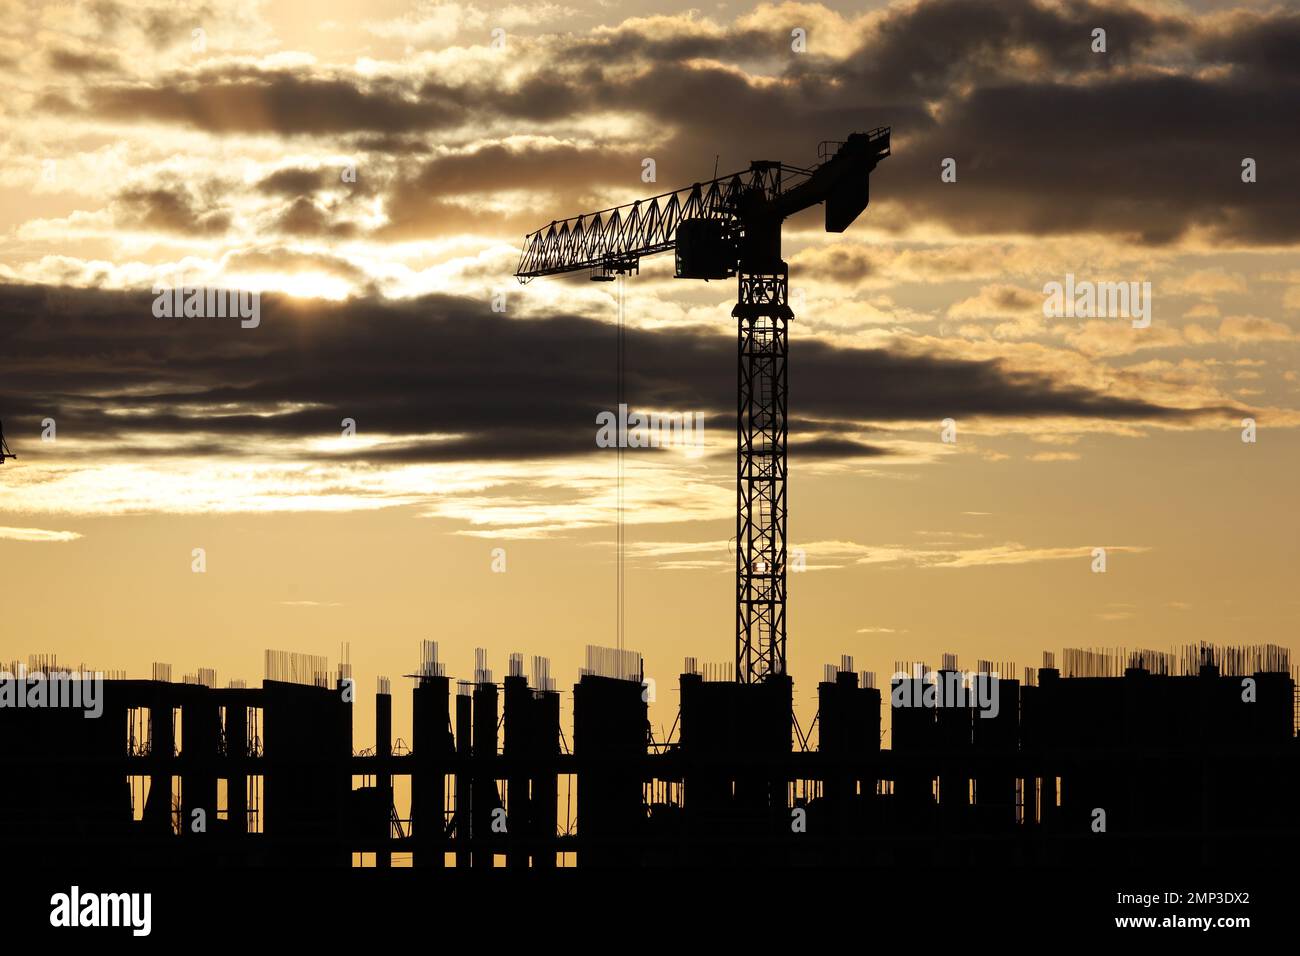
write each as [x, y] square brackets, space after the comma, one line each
[370, 169]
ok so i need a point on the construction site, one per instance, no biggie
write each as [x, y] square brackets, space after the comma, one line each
[1115, 757]
[1111, 758]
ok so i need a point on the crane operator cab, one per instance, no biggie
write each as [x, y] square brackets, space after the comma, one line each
[706, 249]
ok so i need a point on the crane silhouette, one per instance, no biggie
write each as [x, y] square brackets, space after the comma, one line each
[731, 226]
[4, 446]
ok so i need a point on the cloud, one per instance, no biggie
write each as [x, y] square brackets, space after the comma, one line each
[1053, 456]
[1005, 554]
[1251, 328]
[169, 208]
[289, 261]
[36, 534]
[295, 181]
[845, 553]
[442, 379]
[1060, 152]
[1115, 616]
[1206, 282]
[1110, 338]
[303, 217]
[78, 61]
[238, 99]
[435, 23]
[839, 554]
[999, 301]
[1049, 138]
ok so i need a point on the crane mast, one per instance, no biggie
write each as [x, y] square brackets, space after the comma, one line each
[731, 226]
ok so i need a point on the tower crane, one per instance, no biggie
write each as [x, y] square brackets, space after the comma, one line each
[731, 226]
[4, 446]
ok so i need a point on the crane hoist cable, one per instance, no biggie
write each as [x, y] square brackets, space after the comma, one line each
[620, 607]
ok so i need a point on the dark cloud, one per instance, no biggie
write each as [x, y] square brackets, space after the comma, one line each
[161, 22]
[498, 167]
[304, 217]
[839, 263]
[422, 201]
[922, 53]
[1263, 45]
[630, 44]
[1147, 158]
[170, 207]
[1049, 137]
[241, 100]
[509, 389]
[835, 448]
[76, 61]
[296, 181]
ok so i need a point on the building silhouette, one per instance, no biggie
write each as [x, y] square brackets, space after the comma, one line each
[1113, 758]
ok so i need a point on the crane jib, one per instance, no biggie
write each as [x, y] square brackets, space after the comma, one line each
[616, 238]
